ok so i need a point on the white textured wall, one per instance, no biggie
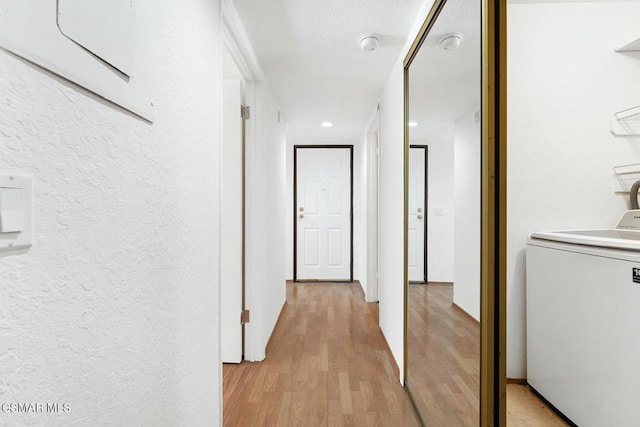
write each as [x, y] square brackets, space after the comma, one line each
[391, 268]
[391, 238]
[438, 136]
[115, 308]
[467, 170]
[266, 210]
[565, 83]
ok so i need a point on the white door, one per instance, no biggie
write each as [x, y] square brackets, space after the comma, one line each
[417, 214]
[231, 224]
[323, 213]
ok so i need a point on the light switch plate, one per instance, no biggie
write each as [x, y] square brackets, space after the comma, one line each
[15, 211]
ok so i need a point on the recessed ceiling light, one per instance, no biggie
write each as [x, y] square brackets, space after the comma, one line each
[326, 124]
[413, 124]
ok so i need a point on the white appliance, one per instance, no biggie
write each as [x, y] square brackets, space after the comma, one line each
[583, 322]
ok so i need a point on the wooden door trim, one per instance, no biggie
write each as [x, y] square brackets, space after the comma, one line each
[295, 209]
[426, 206]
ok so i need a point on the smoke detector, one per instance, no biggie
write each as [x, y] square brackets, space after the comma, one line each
[450, 41]
[369, 42]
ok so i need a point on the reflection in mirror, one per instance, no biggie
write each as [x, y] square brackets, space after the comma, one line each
[443, 258]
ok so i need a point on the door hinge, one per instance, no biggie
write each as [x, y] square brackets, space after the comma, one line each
[244, 317]
[245, 112]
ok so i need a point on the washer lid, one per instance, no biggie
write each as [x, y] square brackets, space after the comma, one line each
[626, 235]
[616, 239]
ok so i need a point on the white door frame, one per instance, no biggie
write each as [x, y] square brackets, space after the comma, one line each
[236, 44]
[232, 224]
[426, 208]
[295, 207]
[373, 214]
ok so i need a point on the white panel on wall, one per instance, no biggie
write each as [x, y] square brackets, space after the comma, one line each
[103, 27]
[96, 44]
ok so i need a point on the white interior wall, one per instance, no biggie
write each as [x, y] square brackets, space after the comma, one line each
[391, 238]
[391, 243]
[467, 169]
[266, 210]
[565, 83]
[114, 309]
[439, 137]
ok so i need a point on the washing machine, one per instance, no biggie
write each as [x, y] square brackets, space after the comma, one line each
[583, 322]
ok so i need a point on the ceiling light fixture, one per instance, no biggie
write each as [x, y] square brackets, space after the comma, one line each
[326, 124]
[450, 41]
[369, 42]
[413, 124]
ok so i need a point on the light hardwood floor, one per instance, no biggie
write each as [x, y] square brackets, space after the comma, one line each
[327, 366]
[524, 409]
[443, 358]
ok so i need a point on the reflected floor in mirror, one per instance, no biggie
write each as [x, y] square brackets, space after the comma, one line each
[326, 365]
[444, 367]
[443, 357]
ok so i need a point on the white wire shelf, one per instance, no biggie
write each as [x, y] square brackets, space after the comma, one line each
[627, 122]
[624, 176]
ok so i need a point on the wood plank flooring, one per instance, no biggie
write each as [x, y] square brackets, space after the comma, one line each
[444, 371]
[525, 409]
[443, 358]
[326, 365]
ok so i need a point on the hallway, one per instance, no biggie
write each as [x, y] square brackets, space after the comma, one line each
[326, 366]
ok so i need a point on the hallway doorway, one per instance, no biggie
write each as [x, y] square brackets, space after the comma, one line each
[323, 213]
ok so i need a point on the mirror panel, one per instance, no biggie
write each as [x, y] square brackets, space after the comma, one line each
[444, 214]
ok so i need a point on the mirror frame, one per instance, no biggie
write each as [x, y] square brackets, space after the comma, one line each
[493, 205]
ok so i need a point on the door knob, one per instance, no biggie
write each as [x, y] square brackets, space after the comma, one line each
[301, 209]
[419, 216]
[419, 210]
[301, 215]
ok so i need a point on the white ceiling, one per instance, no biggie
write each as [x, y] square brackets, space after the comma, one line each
[443, 85]
[309, 53]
